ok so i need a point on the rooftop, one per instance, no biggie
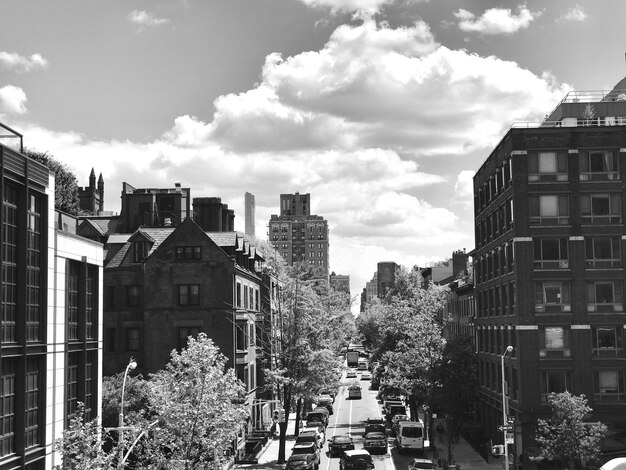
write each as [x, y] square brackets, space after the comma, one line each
[10, 138]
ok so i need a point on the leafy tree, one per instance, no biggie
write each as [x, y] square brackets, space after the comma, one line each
[566, 436]
[65, 183]
[82, 445]
[198, 405]
[136, 398]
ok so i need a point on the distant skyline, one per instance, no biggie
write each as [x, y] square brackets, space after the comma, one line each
[382, 110]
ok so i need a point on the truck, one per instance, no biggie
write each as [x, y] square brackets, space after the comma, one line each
[352, 357]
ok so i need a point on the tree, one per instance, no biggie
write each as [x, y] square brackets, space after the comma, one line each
[566, 436]
[199, 407]
[136, 398]
[65, 183]
[82, 444]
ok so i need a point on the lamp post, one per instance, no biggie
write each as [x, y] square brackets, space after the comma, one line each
[505, 421]
[132, 364]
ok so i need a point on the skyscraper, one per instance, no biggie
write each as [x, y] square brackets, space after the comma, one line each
[250, 214]
[299, 236]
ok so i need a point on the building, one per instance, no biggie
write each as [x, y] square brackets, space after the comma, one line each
[549, 279]
[297, 235]
[386, 277]
[91, 198]
[50, 355]
[340, 282]
[250, 214]
[177, 273]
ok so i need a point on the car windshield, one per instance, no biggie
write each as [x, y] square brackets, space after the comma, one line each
[423, 465]
[303, 450]
[298, 458]
[366, 457]
[412, 432]
[375, 435]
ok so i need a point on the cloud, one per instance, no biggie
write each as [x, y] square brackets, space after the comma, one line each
[576, 13]
[143, 19]
[13, 60]
[496, 20]
[12, 100]
[366, 7]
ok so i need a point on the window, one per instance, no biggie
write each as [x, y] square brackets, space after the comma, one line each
[110, 297]
[72, 301]
[34, 304]
[189, 294]
[188, 252]
[604, 296]
[133, 295]
[603, 252]
[608, 385]
[245, 297]
[7, 407]
[184, 332]
[9, 269]
[554, 341]
[91, 299]
[133, 339]
[31, 433]
[552, 296]
[607, 341]
[601, 208]
[140, 251]
[598, 165]
[71, 388]
[109, 340]
[238, 299]
[555, 381]
[550, 253]
[549, 209]
[547, 166]
[242, 338]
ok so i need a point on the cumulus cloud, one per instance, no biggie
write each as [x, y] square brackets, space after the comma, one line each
[143, 19]
[12, 100]
[347, 6]
[13, 60]
[496, 20]
[576, 13]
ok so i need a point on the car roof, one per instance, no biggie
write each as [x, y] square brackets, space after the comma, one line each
[342, 437]
[615, 464]
[308, 432]
[374, 435]
[300, 457]
[356, 452]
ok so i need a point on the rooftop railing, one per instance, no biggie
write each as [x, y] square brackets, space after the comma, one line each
[10, 138]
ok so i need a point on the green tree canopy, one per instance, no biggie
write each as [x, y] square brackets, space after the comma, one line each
[65, 183]
[567, 436]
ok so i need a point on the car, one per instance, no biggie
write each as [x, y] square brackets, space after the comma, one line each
[302, 462]
[395, 423]
[339, 443]
[375, 424]
[332, 393]
[421, 464]
[319, 414]
[310, 436]
[319, 432]
[325, 401]
[351, 374]
[354, 391]
[358, 459]
[375, 442]
[307, 448]
[366, 376]
[315, 422]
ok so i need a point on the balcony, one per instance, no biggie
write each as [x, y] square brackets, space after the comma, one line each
[554, 353]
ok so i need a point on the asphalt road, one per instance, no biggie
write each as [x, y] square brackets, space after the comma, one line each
[349, 418]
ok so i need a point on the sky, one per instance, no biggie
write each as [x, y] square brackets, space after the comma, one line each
[382, 110]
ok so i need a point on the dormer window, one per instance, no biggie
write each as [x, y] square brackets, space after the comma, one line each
[188, 252]
[140, 251]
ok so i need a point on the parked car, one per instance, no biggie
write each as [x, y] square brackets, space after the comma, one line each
[339, 443]
[421, 464]
[319, 414]
[302, 462]
[366, 376]
[332, 393]
[410, 436]
[319, 433]
[375, 442]
[315, 421]
[395, 423]
[310, 436]
[308, 448]
[356, 460]
[325, 401]
[354, 391]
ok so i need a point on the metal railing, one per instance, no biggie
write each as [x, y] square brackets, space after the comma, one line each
[11, 138]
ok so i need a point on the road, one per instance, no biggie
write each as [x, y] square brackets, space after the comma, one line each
[349, 417]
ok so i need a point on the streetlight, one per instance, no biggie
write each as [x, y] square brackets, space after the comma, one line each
[132, 365]
[505, 421]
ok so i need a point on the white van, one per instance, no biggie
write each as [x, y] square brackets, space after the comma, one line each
[410, 436]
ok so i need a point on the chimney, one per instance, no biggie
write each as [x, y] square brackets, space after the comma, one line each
[177, 186]
[225, 218]
[208, 213]
[231, 220]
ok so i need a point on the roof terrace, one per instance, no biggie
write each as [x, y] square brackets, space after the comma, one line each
[10, 138]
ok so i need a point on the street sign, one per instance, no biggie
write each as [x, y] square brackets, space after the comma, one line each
[509, 438]
[502, 428]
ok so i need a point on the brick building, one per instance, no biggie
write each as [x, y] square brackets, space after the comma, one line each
[549, 278]
[299, 236]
